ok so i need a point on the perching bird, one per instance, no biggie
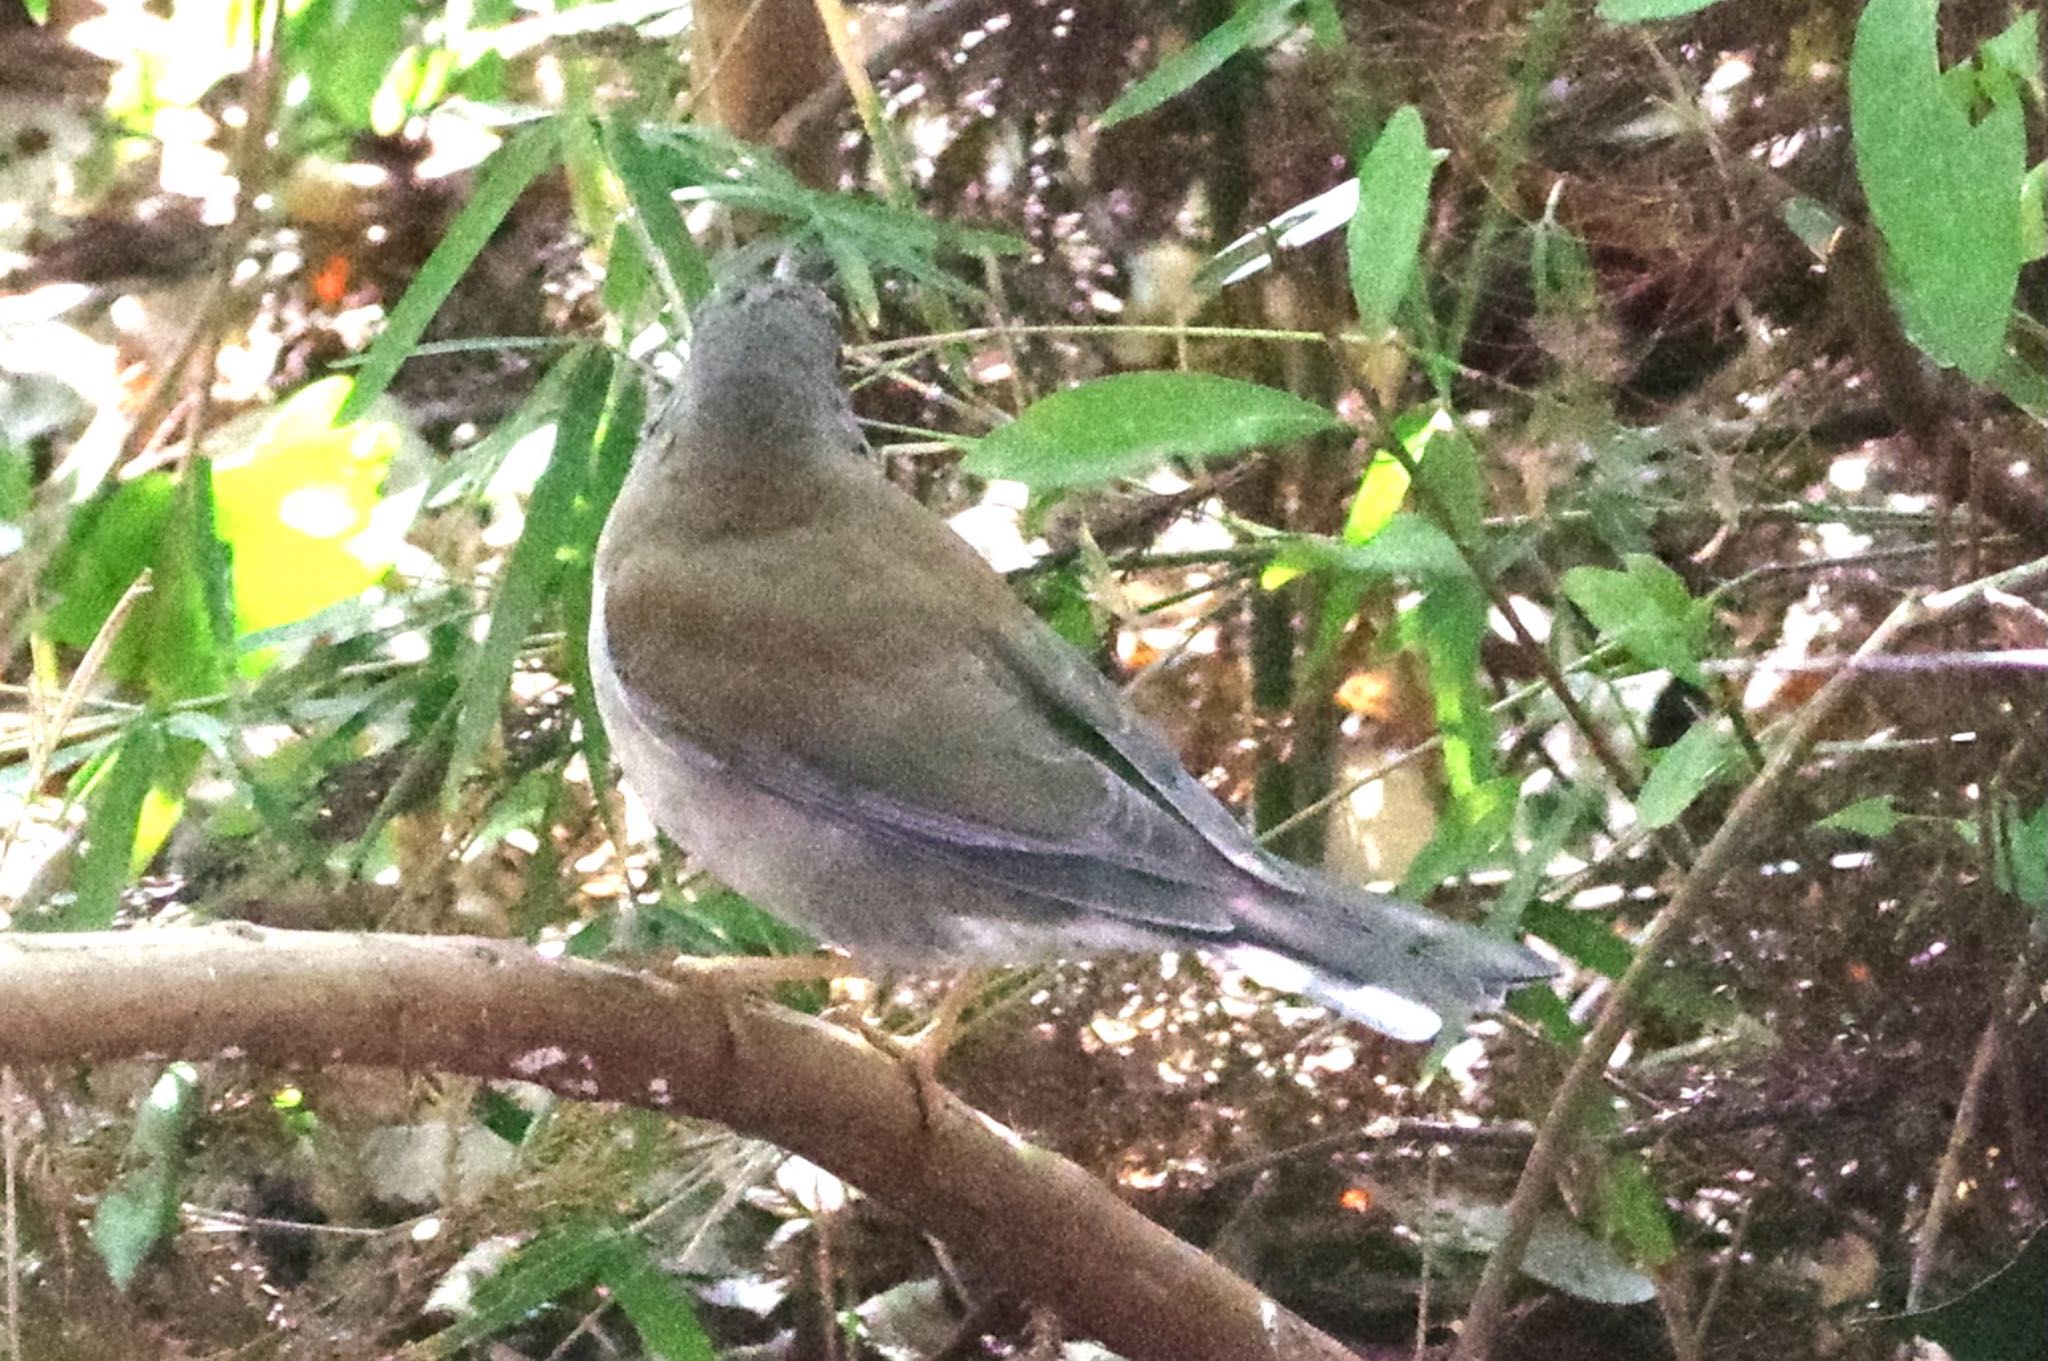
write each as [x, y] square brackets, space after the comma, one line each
[827, 697]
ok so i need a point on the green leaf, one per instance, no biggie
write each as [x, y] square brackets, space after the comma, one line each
[1256, 23]
[105, 862]
[298, 507]
[611, 460]
[1585, 938]
[1380, 494]
[560, 1259]
[1130, 423]
[1646, 11]
[1944, 188]
[141, 1207]
[1686, 769]
[1561, 1255]
[655, 1301]
[1633, 1213]
[534, 565]
[1385, 236]
[2034, 214]
[500, 180]
[2020, 861]
[1872, 817]
[654, 209]
[1999, 1319]
[1648, 611]
[346, 48]
[1449, 479]
[112, 539]
[1406, 547]
[38, 10]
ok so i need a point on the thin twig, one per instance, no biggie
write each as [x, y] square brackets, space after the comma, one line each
[1948, 1174]
[1747, 820]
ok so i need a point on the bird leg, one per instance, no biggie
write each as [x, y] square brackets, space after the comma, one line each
[923, 1052]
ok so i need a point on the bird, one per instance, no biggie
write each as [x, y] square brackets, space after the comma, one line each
[830, 700]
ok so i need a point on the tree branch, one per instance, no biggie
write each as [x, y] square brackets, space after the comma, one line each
[497, 1009]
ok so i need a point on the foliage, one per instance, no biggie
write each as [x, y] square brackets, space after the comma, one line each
[1481, 414]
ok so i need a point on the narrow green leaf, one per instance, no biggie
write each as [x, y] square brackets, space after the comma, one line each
[610, 462]
[1686, 770]
[1872, 817]
[1944, 187]
[1646, 11]
[1385, 235]
[38, 10]
[500, 181]
[1130, 423]
[654, 209]
[533, 567]
[655, 1301]
[141, 1207]
[561, 1259]
[105, 861]
[1255, 23]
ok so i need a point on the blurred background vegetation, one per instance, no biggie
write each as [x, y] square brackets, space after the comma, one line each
[1474, 431]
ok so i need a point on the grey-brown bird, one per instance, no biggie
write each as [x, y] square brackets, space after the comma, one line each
[828, 698]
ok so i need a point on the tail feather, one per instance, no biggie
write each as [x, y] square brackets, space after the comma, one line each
[1376, 959]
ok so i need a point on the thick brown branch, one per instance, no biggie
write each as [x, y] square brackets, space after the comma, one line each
[496, 1009]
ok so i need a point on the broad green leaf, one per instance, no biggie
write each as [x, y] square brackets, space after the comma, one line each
[1128, 424]
[1944, 187]
[112, 539]
[1647, 610]
[1873, 817]
[1385, 235]
[106, 861]
[298, 509]
[1380, 494]
[1684, 771]
[141, 1207]
[1560, 1254]
[1646, 11]
[1256, 23]
[1633, 1213]
[655, 1301]
[346, 48]
[534, 565]
[500, 180]
[1406, 547]
[1999, 1319]
[2020, 860]
[1585, 938]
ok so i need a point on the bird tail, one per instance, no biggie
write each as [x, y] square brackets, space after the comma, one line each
[1376, 959]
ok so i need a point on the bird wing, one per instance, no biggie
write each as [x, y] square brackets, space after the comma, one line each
[926, 723]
